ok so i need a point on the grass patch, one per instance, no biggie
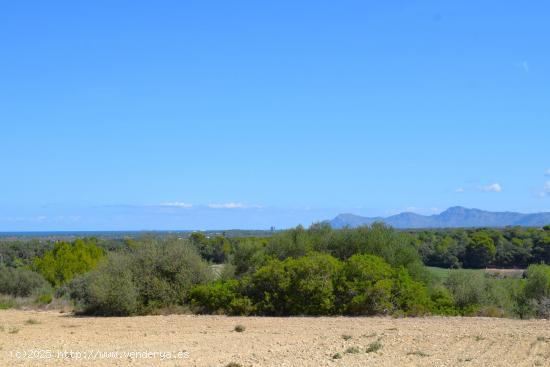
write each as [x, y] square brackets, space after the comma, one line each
[233, 364]
[418, 353]
[7, 303]
[374, 347]
[32, 322]
[337, 356]
[346, 337]
[542, 339]
[479, 338]
[371, 335]
[353, 350]
[13, 330]
[442, 274]
[240, 328]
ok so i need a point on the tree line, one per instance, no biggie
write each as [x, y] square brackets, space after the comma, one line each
[371, 270]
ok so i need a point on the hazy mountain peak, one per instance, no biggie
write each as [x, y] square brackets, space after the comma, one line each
[453, 217]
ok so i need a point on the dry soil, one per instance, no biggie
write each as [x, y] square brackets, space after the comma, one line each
[34, 338]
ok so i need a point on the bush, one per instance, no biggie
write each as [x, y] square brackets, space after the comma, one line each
[442, 302]
[110, 290]
[533, 299]
[317, 284]
[467, 289]
[213, 249]
[215, 297]
[247, 256]
[292, 243]
[153, 275]
[537, 285]
[366, 287]
[20, 282]
[409, 296]
[164, 272]
[295, 286]
[371, 286]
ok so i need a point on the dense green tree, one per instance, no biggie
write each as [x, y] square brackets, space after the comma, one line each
[480, 252]
[67, 260]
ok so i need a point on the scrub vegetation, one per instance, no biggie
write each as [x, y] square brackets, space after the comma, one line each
[371, 270]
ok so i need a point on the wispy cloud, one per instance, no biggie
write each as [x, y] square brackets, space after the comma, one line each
[523, 65]
[545, 190]
[232, 205]
[460, 189]
[177, 204]
[495, 187]
[548, 172]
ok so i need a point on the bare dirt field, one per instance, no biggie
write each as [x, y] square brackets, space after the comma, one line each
[33, 338]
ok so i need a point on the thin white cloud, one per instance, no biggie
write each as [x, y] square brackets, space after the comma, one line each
[525, 66]
[227, 206]
[178, 204]
[460, 189]
[545, 190]
[495, 187]
[232, 205]
[522, 65]
[548, 172]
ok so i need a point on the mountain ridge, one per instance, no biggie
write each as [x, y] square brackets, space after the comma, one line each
[453, 217]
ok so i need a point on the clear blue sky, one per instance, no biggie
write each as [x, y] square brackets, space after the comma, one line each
[224, 114]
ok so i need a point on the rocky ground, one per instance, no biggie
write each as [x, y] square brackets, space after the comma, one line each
[33, 338]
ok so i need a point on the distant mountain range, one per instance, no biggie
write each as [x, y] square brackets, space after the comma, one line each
[454, 217]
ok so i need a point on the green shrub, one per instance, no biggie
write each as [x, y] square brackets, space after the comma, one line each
[295, 286]
[370, 286]
[110, 290]
[352, 350]
[153, 275]
[374, 347]
[467, 288]
[45, 299]
[247, 256]
[294, 243]
[366, 286]
[19, 282]
[538, 282]
[214, 249]
[442, 302]
[214, 297]
[533, 296]
[409, 296]
[164, 272]
[240, 328]
[317, 284]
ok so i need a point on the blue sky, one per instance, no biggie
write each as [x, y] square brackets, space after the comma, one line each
[246, 114]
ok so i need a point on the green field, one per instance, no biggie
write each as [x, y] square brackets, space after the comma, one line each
[441, 274]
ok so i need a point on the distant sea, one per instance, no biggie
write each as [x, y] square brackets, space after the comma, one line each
[103, 234]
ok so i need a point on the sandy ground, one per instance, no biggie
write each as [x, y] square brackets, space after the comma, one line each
[50, 337]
